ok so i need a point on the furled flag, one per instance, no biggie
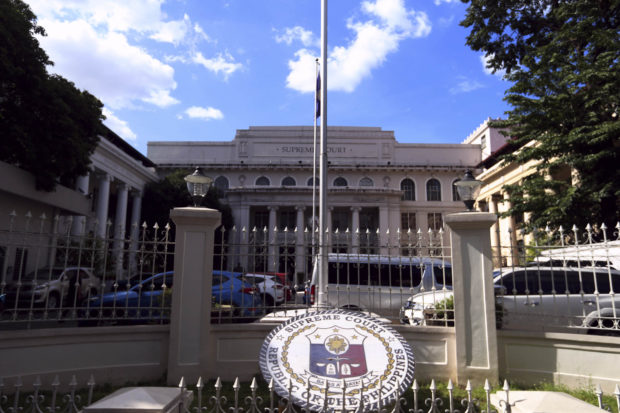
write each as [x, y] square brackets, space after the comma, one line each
[318, 95]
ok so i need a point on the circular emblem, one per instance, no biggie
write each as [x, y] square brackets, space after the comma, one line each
[337, 359]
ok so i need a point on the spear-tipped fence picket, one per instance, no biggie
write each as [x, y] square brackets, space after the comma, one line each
[72, 398]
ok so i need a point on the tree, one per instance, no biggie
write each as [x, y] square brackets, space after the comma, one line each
[562, 57]
[48, 126]
[171, 192]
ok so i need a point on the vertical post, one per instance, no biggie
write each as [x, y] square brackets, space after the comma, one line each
[322, 262]
[474, 296]
[102, 204]
[190, 320]
[119, 228]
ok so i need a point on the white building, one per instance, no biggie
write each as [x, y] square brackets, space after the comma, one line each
[106, 203]
[376, 184]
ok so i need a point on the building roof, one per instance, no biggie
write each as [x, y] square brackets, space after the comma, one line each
[127, 148]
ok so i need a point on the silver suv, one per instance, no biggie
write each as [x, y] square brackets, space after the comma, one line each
[53, 287]
[542, 298]
[380, 284]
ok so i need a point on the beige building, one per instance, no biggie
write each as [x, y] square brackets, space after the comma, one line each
[377, 185]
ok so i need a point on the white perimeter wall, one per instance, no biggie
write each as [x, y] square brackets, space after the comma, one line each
[121, 354]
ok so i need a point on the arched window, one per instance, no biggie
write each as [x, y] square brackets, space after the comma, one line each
[289, 181]
[366, 181]
[262, 181]
[455, 193]
[221, 184]
[311, 180]
[340, 181]
[408, 188]
[433, 190]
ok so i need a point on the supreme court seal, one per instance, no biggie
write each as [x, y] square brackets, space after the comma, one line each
[343, 357]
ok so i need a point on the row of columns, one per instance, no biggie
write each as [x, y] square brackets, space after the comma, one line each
[389, 218]
[102, 211]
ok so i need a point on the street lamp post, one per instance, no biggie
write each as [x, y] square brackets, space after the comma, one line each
[198, 185]
[468, 189]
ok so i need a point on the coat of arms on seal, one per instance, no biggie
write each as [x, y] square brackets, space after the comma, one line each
[337, 357]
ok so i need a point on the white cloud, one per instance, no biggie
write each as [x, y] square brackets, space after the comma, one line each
[465, 85]
[298, 33]
[197, 112]
[222, 63]
[484, 59]
[107, 65]
[117, 125]
[173, 31]
[438, 2]
[389, 24]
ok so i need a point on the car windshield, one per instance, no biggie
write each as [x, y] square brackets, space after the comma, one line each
[43, 274]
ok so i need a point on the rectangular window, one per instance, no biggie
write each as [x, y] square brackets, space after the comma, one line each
[288, 219]
[435, 221]
[407, 222]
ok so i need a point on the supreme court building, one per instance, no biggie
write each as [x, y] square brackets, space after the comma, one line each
[376, 185]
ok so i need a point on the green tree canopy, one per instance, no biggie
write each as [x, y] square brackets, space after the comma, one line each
[171, 192]
[562, 57]
[47, 126]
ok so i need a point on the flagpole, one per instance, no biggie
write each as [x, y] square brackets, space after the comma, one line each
[321, 296]
[314, 154]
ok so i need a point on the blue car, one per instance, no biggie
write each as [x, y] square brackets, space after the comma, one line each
[229, 289]
[147, 301]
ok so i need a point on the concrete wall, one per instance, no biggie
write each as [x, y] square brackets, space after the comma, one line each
[115, 354]
[574, 360]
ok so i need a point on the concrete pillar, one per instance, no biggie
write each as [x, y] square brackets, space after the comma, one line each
[474, 296]
[103, 199]
[136, 210]
[79, 221]
[300, 256]
[272, 258]
[355, 236]
[330, 232]
[119, 227]
[192, 351]
[384, 222]
[496, 245]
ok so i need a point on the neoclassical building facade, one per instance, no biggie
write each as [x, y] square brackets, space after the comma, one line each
[376, 185]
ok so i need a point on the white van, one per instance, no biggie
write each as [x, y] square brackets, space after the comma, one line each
[545, 298]
[377, 283]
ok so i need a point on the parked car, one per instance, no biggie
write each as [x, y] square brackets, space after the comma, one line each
[229, 288]
[142, 302]
[271, 290]
[52, 288]
[378, 283]
[540, 298]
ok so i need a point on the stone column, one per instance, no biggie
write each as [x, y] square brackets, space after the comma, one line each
[103, 198]
[136, 210]
[384, 225]
[79, 221]
[300, 247]
[272, 256]
[192, 348]
[495, 239]
[474, 296]
[355, 233]
[119, 227]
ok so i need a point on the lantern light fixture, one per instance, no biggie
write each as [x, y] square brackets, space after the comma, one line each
[468, 189]
[198, 185]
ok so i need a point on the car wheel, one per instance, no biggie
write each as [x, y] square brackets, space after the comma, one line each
[268, 301]
[53, 301]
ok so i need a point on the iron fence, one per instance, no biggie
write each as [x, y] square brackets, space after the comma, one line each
[219, 398]
[53, 271]
[370, 271]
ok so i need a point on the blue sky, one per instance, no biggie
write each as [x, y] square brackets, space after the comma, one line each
[200, 69]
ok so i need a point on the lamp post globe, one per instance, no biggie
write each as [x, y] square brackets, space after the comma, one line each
[198, 185]
[468, 189]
